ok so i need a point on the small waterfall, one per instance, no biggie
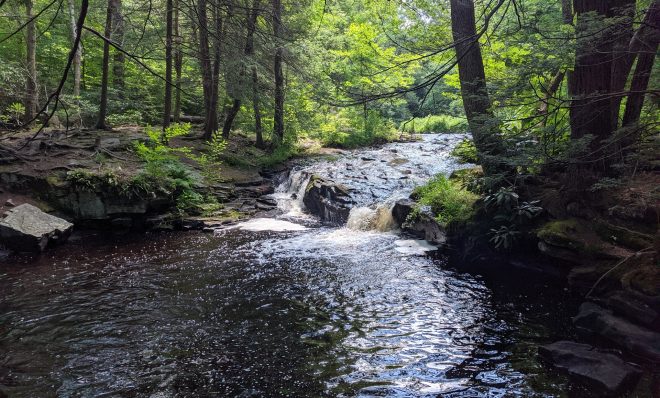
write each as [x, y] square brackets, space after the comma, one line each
[368, 219]
[290, 194]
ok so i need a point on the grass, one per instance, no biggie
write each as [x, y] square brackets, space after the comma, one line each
[449, 201]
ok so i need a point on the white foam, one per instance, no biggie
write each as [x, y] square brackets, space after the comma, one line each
[270, 224]
[413, 247]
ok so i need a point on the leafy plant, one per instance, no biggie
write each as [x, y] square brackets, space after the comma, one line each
[435, 124]
[447, 199]
[466, 152]
[509, 216]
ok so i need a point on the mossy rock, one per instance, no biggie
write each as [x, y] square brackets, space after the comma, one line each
[563, 233]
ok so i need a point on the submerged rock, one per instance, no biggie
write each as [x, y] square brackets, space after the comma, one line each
[604, 371]
[28, 229]
[328, 200]
[638, 340]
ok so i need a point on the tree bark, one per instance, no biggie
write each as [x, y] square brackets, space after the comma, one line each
[646, 41]
[103, 102]
[278, 119]
[474, 92]
[31, 93]
[258, 129]
[178, 63]
[590, 111]
[210, 109]
[77, 58]
[118, 58]
[167, 109]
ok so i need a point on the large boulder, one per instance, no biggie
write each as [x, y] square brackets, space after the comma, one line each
[639, 340]
[605, 372]
[421, 224]
[28, 229]
[329, 201]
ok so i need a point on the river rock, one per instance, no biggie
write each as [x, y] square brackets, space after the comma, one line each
[28, 229]
[329, 201]
[639, 340]
[423, 225]
[604, 371]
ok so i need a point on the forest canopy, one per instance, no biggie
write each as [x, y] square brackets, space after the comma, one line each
[535, 82]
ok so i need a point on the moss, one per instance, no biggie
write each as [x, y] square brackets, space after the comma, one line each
[563, 233]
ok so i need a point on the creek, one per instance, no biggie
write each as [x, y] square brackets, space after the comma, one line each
[281, 306]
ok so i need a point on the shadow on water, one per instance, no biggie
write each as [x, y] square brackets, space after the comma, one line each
[313, 312]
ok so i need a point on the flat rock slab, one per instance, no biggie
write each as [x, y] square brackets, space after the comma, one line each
[28, 229]
[637, 339]
[607, 372]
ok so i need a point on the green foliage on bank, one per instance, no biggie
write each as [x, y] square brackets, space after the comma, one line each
[435, 124]
[448, 200]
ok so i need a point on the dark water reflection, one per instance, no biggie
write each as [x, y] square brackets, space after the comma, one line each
[323, 312]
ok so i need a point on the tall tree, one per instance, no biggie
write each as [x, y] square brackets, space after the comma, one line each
[251, 23]
[118, 58]
[178, 63]
[645, 45]
[623, 14]
[77, 58]
[210, 67]
[278, 119]
[476, 102]
[103, 102]
[167, 109]
[31, 94]
[590, 113]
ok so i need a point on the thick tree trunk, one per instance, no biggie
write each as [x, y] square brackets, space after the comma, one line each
[178, 63]
[31, 94]
[216, 65]
[118, 58]
[167, 108]
[210, 110]
[278, 119]
[229, 119]
[78, 55]
[103, 102]
[476, 101]
[591, 109]
[645, 43]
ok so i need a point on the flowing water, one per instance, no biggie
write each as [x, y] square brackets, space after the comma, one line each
[279, 307]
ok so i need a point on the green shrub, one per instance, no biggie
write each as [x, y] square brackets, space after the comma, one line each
[435, 124]
[349, 128]
[466, 152]
[128, 117]
[448, 200]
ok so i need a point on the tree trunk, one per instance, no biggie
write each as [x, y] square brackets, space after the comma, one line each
[167, 109]
[210, 111]
[103, 102]
[591, 109]
[476, 101]
[31, 94]
[278, 119]
[118, 58]
[216, 65]
[251, 23]
[646, 40]
[624, 12]
[78, 55]
[178, 63]
[258, 129]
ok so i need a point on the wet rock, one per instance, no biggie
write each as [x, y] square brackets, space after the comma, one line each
[329, 201]
[423, 225]
[28, 229]
[606, 372]
[159, 223]
[641, 341]
[122, 223]
[10, 203]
